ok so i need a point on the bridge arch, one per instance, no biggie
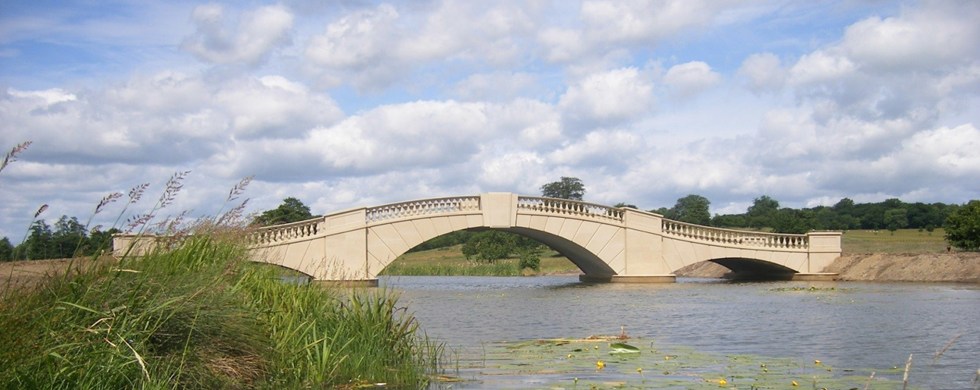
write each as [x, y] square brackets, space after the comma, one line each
[606, 243]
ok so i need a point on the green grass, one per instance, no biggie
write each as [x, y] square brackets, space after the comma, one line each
[902, 241]
[450, 261]
[202, 317]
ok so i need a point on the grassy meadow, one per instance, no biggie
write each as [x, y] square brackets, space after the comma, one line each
[450, 260]
[902, 241]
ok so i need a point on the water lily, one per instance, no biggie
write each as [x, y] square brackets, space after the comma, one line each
[599, 364]
[722, 382]
[794, 384]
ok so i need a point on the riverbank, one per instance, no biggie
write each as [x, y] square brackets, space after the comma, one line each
[200, 316]
[958, 267]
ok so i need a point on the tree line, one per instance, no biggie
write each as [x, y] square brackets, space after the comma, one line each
[766, 213]
[69, 238]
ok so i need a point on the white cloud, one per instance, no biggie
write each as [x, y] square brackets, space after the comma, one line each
[607, 98]
[691, 78]
[821, 67]
[48, 96]
[380, 46]
[459, 97]
[496, 86]
[257, 33]
[763, 71]
[934, 36]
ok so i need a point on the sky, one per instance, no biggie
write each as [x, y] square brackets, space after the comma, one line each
[355, 103]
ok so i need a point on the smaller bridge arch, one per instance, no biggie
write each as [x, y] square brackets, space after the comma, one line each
[606, 243]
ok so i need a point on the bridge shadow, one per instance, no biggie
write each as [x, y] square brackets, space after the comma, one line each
[753, 270]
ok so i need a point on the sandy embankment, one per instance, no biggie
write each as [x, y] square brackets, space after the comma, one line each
[962, 267]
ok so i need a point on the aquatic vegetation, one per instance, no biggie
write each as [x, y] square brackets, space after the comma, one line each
[578, 363]
[622, 348]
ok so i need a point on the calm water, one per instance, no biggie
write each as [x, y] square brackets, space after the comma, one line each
[855, 328]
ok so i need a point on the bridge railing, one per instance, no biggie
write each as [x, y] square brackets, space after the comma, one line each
[422, 207]
[569, 207]
[286, 232]
[735, 237]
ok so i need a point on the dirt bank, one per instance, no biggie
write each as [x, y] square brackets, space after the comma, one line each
[963, 267]
[26, 274]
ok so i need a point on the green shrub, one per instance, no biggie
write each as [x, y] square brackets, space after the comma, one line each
[963, 227]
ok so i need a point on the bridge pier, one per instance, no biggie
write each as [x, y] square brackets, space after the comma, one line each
[669, 278]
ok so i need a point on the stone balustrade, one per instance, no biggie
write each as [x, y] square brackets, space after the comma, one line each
[422, 207]
[286, 232]
[569, 207]
[735, 237]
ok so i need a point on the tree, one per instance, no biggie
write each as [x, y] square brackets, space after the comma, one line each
[38, 242]
[6, 250]
[844, 206]
[68, 235]
[291, 210]
[963, 227]
[691, 209]
[567, 188]
[529, 258]
[488, 246]
[99, 240]
[895, 219]
[762, 211]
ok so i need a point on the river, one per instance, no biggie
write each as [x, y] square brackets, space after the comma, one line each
[697, 333]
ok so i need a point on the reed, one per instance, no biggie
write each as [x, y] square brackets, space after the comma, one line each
[200, 316]
[195, 313]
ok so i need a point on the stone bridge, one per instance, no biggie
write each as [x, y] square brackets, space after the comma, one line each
[606, 243]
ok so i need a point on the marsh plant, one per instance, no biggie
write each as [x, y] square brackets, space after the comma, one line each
[198, 314]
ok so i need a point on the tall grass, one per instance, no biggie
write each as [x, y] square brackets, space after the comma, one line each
[201, 316]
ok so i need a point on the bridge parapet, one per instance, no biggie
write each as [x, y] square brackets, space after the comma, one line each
[569, 208]
[286, 232]
[736, 238]
[422, 207]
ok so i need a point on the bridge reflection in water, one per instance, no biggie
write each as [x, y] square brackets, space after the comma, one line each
[608, 244]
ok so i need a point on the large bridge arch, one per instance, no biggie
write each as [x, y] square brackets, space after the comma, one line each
[394, 229]
[607, 243]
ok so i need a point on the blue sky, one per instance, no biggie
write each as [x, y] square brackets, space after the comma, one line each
[353, 103]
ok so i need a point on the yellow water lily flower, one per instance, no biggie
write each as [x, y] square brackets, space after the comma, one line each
[795, 384]
[722, 382]
[599, 364]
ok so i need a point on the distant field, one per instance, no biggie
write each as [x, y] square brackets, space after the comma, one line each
[903, 241]
[450, 261]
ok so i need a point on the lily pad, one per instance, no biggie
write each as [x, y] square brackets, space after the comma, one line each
[621, 348]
